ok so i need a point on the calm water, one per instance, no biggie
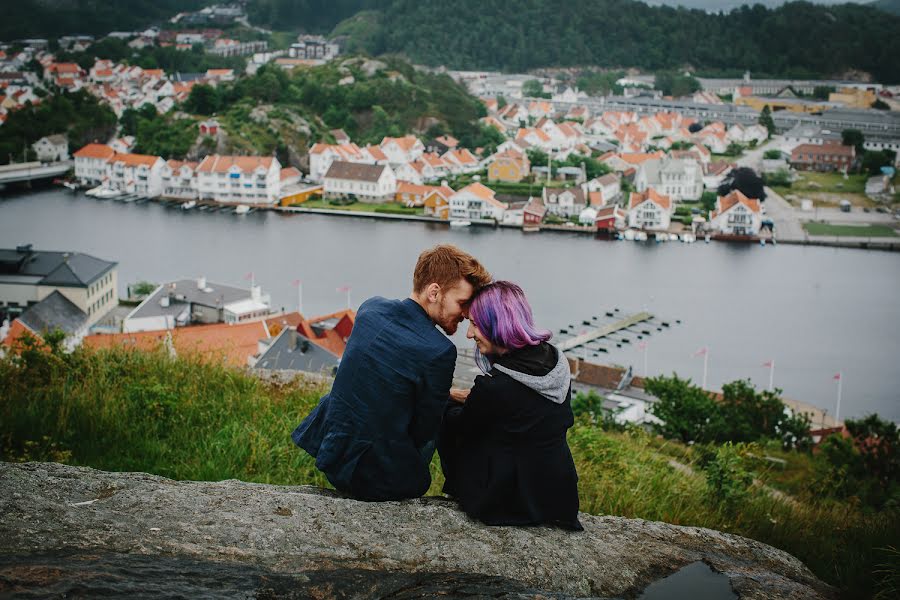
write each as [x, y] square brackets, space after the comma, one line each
[816, 311]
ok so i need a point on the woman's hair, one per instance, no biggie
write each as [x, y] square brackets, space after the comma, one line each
[502, 314]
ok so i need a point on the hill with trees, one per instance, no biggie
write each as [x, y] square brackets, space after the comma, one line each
[798, 39]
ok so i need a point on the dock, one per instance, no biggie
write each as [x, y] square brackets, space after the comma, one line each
[604, 331]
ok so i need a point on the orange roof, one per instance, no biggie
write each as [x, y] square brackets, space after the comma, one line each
[233, 344]
[134, 160]
[448, 140]
[636, 158]
[95, 151]
[433, 159]
[732, 199]
[103, 73]
[638, 198]
[64, 68]
[216, 163]
[289, 172]
[480, 190]
[376, 153]
[16, 329]
[219, 72]
[406, 142]
[405, 187]
[462, 156]
[154, 73]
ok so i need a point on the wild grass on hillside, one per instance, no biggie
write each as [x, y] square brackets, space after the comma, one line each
[188, 419]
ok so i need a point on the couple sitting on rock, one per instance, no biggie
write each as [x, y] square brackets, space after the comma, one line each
[502, 444]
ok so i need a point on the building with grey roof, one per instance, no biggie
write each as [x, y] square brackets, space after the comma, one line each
[27, 276]
[292, 351]
[195, 301]
[369, 183]
[56, 312]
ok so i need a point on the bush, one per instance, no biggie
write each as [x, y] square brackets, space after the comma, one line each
[780, 178]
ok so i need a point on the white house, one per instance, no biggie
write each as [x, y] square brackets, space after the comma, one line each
[609, 186]
[476, 201]
[679, 179]
[715, 173]
[90, 163]
[52, 148]
[179, 179]
[461, 161]
[244, 179]
[322, 155]
[649, 210]
[564, 202]
[135, 174]
[736, 214]
[368, 183]
[402, 149]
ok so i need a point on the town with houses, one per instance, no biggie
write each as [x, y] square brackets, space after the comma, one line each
[652, 160]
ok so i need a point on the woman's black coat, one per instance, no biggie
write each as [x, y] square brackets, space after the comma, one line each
[505, 456]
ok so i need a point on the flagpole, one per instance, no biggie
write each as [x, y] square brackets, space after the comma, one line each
[772, 375]
[837, 412]
[705, 365]
[348, 298]
[300, 297]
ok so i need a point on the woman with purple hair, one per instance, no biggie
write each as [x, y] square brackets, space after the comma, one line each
[503, 443]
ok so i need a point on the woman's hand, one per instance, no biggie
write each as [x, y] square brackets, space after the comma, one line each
[459, 395]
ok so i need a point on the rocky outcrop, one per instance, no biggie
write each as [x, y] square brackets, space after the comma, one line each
[66, 528]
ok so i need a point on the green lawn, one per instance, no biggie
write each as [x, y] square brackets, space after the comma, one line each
[829, 182]
[390, 207]
[850, 230]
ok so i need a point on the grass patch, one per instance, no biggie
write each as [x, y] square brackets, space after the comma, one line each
[190, 419]
[830, 183]
[387, 207]
[849, 230]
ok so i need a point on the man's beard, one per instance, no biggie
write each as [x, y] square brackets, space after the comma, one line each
[446, 323]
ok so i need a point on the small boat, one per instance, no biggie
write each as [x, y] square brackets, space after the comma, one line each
[189, 205]
[673, 237]
[707, 238]
[661, 237]
[242, 209]
[104, 193]
[460, 223]
[640, 236]
[629, 234]
[762, 241]
[71, 185]
[688, 238]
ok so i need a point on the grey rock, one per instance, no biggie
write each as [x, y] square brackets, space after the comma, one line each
[68, 523]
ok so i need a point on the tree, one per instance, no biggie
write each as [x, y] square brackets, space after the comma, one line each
[688, 413]
[203, 100]
[772, 155]
[747, 181]
[766, 120]
[671, 83]
[822, 92]
[873, 160]
[880, 104]
[748, 415]
[708, 200]
[533, 88]
[853, 137]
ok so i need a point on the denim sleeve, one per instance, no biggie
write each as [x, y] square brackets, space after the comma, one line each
[432, 395]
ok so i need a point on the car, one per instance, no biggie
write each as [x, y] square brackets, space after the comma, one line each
[866, 209]
[881, 209]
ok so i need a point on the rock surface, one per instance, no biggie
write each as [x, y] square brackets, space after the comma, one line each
[64, 524]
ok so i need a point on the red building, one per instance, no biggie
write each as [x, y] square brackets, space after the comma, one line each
[533, 213]
[610, 218]
[830, 156]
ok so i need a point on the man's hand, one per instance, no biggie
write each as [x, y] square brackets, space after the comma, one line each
[459, 395]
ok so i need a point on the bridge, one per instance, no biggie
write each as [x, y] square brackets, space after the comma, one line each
[31, 171]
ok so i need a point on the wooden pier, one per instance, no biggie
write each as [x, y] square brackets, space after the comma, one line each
[601, 332]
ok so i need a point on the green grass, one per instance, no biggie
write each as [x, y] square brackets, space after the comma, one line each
[389, 207]
[849, 230]
[829, 182]
[188, 419]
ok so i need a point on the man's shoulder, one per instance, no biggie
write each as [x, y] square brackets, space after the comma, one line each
[407, 319]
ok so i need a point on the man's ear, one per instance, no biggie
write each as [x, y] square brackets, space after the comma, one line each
[432, 292]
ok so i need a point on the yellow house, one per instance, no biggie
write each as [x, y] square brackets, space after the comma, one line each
[776, 104]
[437, 202]
[853, 97]
[299, 193]
[510, 165]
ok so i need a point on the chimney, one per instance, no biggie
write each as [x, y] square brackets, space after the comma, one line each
[201, 283]
[256, 293]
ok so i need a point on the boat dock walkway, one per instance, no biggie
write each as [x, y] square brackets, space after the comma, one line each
[605, 330]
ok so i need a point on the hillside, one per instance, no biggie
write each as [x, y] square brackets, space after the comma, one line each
[369, 99]
[797, 39]
[54, 18]
[890, 6]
